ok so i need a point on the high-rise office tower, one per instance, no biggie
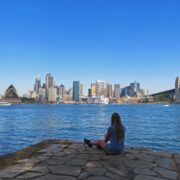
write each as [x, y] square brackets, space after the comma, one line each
[117, 91]
[76, 94]
[37, 85]
[81, 90]
[109, 90]
[177, 89]
[134, 89]
[100, 90]
[62, 91]
[52, 94]
[93, 89]
[89, 93]
[49, 83]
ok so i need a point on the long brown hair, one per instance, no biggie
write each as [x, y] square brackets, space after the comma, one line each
[116, 121]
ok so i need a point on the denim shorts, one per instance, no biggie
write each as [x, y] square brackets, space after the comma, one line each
[110, 151]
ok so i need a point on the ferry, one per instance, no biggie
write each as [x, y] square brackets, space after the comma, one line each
[4, 103]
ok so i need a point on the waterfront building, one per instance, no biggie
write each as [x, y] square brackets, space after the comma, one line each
[134, 88]
[126, 91]
[11, 95]
[37, 85]
[100, 90]
[32, 94]
[109, 90]
[62, 91]
[81, 90]
[76, 90]
[177, 90]
[42, 94]
[49, 83]
[93, 89]
[89, 93]
[52, 94]
[69, 94]
[117, 91]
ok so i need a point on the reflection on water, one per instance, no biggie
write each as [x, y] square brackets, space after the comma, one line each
[153, 126]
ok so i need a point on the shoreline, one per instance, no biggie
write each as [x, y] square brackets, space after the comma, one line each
[71, 159]
[130, 103]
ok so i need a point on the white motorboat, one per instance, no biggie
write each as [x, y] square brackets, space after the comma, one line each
[4, 103]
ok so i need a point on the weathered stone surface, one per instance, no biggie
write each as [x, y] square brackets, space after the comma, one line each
[55, 177]
[84, 175]
[70, 151]
[166, 163]
[13, 171]
[77, 162]
[41, 169]
[58, 161]
[92, 157]
[148, 158]
[115, 177]
[29, 175]
[166, 173]
[8, 173]
[93, 164]
[120, 170]
[177, 160]
[59, 154]
[42, 157]
[146, 172]
[141, 177]
[51, 148]
[66, 160]
[79, 146]
[98, 178]
[139, 164]
[130, 157]
[65, 170]
[96, 171]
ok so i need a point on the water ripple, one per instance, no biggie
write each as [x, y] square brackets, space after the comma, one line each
[153, 126]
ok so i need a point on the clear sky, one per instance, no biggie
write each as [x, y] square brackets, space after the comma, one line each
[112, 40]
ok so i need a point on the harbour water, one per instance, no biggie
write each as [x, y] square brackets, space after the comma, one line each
[149, 125]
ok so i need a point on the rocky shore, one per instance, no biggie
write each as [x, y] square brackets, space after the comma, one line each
[65, 160]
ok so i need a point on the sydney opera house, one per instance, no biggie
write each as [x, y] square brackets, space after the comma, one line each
[11, 95]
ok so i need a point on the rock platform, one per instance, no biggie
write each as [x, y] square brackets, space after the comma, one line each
[66, 160]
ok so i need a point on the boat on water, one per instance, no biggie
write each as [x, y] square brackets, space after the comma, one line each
[166, 105]
[4, 103]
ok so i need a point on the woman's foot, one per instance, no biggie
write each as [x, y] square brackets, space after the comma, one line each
[88, 142]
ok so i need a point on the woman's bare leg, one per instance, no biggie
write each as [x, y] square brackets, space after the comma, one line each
[102, 144]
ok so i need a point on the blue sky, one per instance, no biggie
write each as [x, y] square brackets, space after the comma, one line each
[115, 41]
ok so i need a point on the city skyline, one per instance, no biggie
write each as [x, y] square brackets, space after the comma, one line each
[117, 42]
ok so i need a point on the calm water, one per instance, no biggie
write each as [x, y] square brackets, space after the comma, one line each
[152, 126]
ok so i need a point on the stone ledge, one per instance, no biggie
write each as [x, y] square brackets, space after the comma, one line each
[61, 159]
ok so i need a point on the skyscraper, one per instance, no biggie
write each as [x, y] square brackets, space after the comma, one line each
[177, 89]
[62, 91]
[117, 91]
[134, 89]
[93, 89]
[81, 90]
[109, 90]
[49, 83]
[37, 85]
[52, 94]
[76, 90]
[100, 91]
